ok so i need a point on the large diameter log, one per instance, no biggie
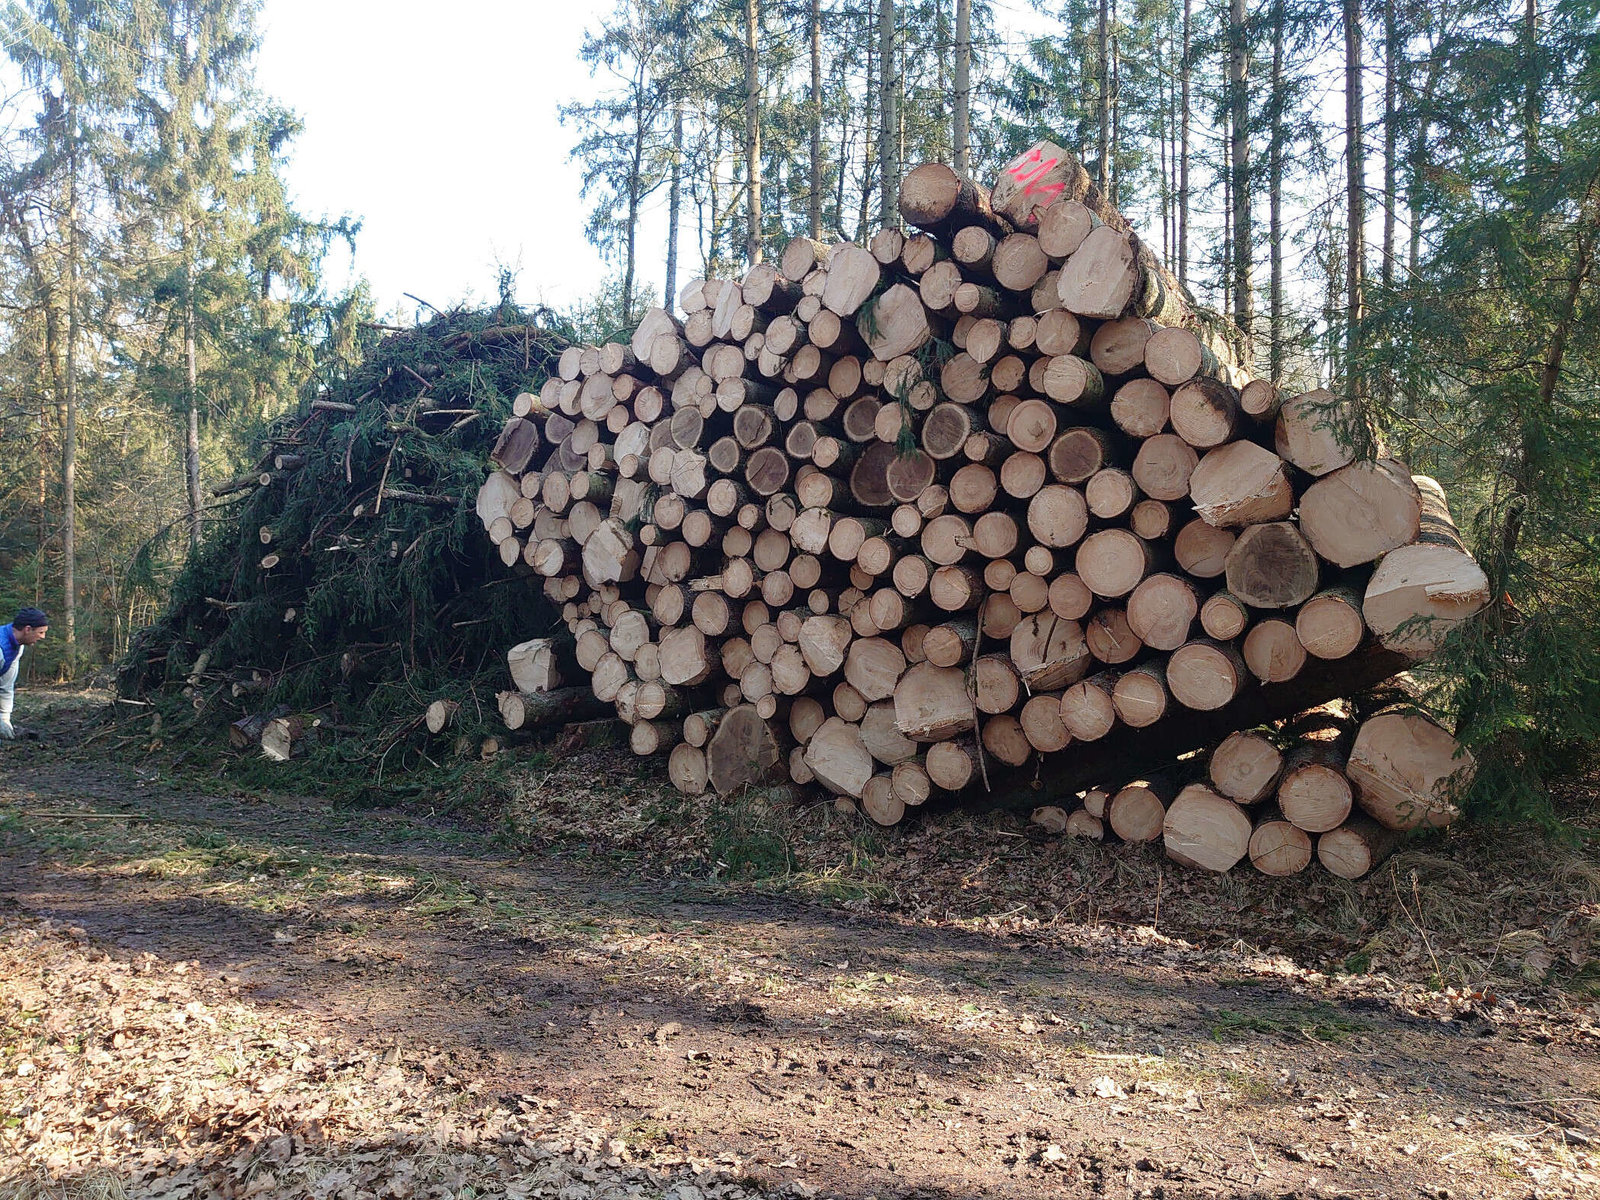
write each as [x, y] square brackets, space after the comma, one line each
[1205, 413]
[1174, 356]
[1164, 466]
[883, 740]
[1357, 846]
[1314, 792]
[743, 752]
[1272, 566]
[932, 703]
[1102, 276]
[1320, 432]
[1418, 593]
[895, 323]
[1205, 830]
[838, 758]
[1409, 771]
[1049, 652]
[852, 275]
[1127, 751]
[516, 446]
[1360, 512]
[936, 198]
[1241, 484]
[1111, 562]
[1162, 609]
[873, 666]
[499, 492]
[1246, 767]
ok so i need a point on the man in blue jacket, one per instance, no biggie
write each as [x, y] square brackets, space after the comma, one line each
[27, 628]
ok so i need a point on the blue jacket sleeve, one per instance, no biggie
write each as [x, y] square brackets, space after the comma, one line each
[8, 648]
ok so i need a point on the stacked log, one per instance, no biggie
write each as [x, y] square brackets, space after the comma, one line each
[795, 540]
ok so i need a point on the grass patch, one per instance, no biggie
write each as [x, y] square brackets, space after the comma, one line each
[1322, 1023]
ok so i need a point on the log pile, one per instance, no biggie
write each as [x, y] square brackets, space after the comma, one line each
[984, 503]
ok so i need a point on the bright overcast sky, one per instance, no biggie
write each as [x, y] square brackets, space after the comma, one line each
[437, 127]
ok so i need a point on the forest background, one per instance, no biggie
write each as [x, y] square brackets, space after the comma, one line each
[1399, 199]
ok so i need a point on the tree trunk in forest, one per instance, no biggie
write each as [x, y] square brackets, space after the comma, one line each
[1275, 352]
[1102, 175]
[1116, 109]
[1391, 85]
[1243, 246]
[1356, 200]
[674, 205]
[963, 82]
[191, 458]
[752, 131]
[69, 431]
[889, 116]
[1183, 150]
[814, 199]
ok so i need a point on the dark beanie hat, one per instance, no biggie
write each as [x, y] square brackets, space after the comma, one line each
[29, 618]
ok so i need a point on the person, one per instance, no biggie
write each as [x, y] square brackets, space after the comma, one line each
[27, 628]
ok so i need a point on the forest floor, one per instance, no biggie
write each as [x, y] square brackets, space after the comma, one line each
[593, 988]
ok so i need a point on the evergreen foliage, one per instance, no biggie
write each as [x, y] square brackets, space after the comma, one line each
[394, 604]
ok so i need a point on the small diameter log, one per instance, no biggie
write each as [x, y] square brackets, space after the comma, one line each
[523, 710]
[1241, 484]
[1111, 639]
[1086, 707]
[1273, 652]
[1111, 493]
[1042, 725]
[1138, 810]
[879, 803]
[1259, 400]
[1360, 512]
[1320, 432]
[1272, 566]
[1201, 549]
[1205, 830]
[1162, 609]
[1206, 675]
[283, 738]
[1418, 593]
[1082, 824]
[1329, 625]
[951, 765]
[1140, 696]
[910, 784]
[1081, 452]
[1174, 356]
[1004, 739]
[533, 665]
[1277, 846]
[1050, 817]
[1314, 792]
[1356, 847]
[1140, 408]
[439, 715]
[1118, 346]
[516, 446]
[932, 703]
[1205, 413]
[1409, 771]
[1058, 515]
[1246, 767]
[686, 768]
[1164, 465]
[1153, 520]
[1223, 616]
[1112, 561]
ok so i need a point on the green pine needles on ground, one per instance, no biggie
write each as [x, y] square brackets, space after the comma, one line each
[373, 610]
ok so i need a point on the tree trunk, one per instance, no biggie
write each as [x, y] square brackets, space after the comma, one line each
[1276, 348]
[752, 132]
[192, 396]
[888, 110]
[674, 206]
[1355, 201]
[69, 431]
[1183, 150]
[1243, 244]
[814, 199]
[1103, 86]
[963, 82]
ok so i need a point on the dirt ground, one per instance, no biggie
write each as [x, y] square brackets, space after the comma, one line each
[214, 991]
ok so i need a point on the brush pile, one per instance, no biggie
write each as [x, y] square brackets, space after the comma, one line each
[989, 510]
[343, 578]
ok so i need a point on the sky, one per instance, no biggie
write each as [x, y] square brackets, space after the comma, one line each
[436, 126]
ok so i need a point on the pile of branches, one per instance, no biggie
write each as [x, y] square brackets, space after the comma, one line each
[344, 581]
